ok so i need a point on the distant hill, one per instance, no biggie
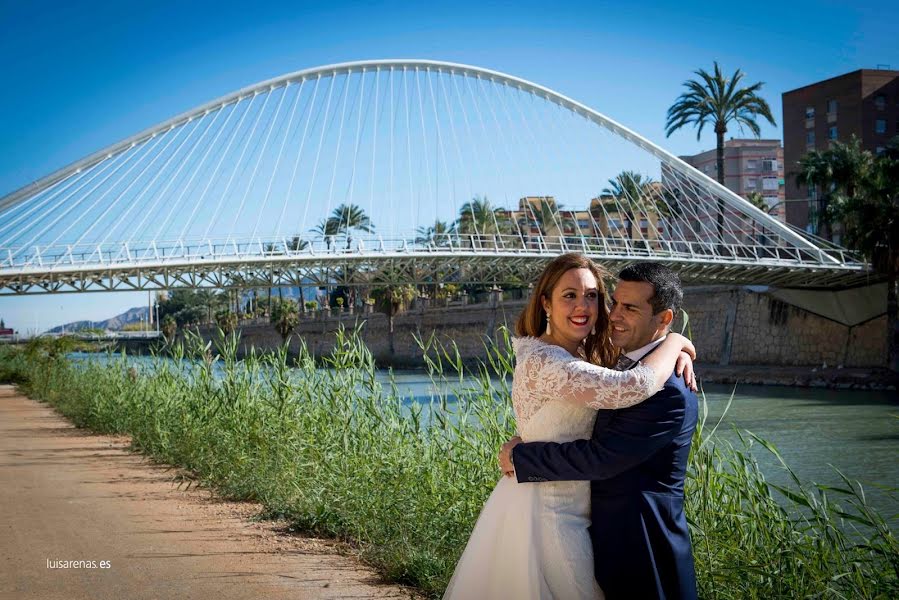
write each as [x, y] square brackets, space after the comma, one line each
[132, 315]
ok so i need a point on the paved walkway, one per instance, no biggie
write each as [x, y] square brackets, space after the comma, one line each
[67, 495]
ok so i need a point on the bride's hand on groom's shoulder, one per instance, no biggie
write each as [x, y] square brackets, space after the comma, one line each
[505, 457]
[686, 345]
[684, 367]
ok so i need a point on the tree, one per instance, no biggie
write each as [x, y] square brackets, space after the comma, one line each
[349, 217]
[862, 194]
[634, 195]
[227, 321]
[844, 166]
[719, 101]
[285, 317]
[297, 243]
[757, 200]
[391, 300]
[547, 216]
[184, 306]
[437, 234]
[169, 328]
[327, 228]
[481, 218]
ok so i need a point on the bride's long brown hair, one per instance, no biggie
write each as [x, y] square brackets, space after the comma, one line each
[597, 347]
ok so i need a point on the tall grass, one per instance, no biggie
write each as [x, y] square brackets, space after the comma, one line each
[340, 454]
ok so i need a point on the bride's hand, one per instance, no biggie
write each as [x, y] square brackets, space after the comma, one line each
[686, 345]
[684, 366]
[505, 457]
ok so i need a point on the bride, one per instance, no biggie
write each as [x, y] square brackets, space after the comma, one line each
[531, 541]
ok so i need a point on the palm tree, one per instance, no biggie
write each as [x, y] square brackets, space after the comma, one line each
[327, 228]
[719, 101]
[861, 192]
[348, 217]
[297, 243]
[480, 217]
[391, 300]
[546, 215]
[285, 317]
[757, 200]
[436, 234]
[842, 169]
[633, 193]
[211, 301]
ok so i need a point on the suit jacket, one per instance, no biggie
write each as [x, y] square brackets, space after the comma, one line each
[636, 460]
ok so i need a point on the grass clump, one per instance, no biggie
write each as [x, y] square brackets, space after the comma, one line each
[341, 454]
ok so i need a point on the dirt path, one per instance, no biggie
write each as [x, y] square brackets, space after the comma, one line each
[66, 495]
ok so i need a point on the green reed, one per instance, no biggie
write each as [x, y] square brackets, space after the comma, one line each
[337, 453]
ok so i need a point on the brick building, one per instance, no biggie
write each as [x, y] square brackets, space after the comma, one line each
[750, 165]
[864, 103]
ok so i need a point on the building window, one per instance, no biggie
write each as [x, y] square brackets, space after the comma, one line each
[752, 165]
[750, 184]
[769, 165]
[809, 112]
[880, 126]
[832, 133]
[769, 183]
[880, 102]
[810, 138]
[832, 107]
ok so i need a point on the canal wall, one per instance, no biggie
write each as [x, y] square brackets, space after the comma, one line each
[735, 325]
[731, 325]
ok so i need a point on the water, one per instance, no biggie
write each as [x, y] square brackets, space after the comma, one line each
[855, 431]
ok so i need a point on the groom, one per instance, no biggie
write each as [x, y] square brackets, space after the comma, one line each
[636, 459]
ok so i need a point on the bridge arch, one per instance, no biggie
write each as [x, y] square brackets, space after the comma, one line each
[687, 237]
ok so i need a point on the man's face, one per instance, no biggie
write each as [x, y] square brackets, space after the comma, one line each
[633, 324]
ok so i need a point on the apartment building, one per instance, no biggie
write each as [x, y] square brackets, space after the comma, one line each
[750, 165]
[863, 103]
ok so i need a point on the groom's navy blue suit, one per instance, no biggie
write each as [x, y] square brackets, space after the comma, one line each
[636, 462]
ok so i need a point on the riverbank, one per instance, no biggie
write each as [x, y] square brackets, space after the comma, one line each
[848, 378]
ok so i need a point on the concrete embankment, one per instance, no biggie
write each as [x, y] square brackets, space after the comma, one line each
[742, 334]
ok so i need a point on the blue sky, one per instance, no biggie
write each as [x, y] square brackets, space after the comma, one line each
[85, 74]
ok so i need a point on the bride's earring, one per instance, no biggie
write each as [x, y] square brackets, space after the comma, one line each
[549, 330]
[593, 330]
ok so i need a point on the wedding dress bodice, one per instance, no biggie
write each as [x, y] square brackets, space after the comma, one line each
[556, 395]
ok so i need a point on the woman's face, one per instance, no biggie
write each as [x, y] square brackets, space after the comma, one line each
[573, 306]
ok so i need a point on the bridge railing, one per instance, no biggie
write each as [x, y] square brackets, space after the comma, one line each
[212, 251]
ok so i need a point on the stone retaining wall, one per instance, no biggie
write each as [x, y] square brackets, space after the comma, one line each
[734, 325]
[730, 325]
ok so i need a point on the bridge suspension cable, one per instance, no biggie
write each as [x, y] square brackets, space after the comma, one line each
[371, 161]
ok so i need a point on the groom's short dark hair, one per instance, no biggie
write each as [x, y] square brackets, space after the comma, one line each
[665, 282]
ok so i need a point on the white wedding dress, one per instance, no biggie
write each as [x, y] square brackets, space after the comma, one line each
[531, 539]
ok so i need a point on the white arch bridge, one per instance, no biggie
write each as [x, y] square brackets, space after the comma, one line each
[387, 172]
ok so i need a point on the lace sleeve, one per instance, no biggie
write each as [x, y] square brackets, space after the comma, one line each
[553, 374]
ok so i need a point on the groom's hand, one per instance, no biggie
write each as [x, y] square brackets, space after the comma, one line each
[505, 457]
